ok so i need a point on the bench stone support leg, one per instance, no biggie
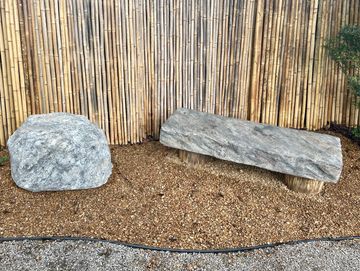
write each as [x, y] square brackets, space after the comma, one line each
[303, 185]
[192, 158]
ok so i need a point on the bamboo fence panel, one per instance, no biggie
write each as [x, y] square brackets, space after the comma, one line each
[127, 65]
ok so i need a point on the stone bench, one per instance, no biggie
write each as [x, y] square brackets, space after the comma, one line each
[307, 159]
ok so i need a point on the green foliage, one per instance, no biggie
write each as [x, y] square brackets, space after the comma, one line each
[3, 159]
[344, 49]
[356, 132]
[354, 84]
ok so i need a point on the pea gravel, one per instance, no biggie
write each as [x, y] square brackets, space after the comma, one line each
[154, 199]
[82, 255]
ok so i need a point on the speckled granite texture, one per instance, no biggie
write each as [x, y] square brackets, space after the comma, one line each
[59, 151]
[294, 152]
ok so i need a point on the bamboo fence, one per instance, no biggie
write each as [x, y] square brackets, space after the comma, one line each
[127, 65]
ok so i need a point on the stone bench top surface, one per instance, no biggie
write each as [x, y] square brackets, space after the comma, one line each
[295, 152]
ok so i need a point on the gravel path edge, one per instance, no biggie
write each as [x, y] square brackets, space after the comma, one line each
[164, 249]
[72, 255]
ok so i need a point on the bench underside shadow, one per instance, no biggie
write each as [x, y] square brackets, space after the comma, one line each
[294, 183]
[191, 158]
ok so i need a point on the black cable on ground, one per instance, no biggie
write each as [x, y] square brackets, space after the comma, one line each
[139, 246]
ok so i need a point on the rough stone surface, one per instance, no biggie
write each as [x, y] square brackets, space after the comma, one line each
[294, 152]
[59, 151]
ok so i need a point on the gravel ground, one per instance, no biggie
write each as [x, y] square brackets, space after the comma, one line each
[81, 255]
[153, 198]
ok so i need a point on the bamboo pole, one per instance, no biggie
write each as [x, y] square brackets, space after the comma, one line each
[12, 67]
[2, 104]
[113, 79]
[310, 90]
[280, 59]
[264, 62]
[5, 96]
[3, 86]
[298, 70]
[256, 70]
[249, 26]
[19, 65]
[122, 76]
[23, 60]
[54, 57]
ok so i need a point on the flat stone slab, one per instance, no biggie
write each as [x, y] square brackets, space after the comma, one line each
[289, 151]
[59, 151]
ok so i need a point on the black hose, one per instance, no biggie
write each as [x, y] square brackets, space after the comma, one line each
[139, 246]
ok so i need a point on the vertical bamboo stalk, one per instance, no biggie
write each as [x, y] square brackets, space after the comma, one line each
[12, 65]
[310, 89]
[5, 65]
[256, 70]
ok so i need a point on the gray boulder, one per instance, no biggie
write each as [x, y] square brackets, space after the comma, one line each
[59, 151]
[293, 152]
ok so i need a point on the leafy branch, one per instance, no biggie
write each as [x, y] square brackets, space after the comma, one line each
[3, 159]
[344, 49]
